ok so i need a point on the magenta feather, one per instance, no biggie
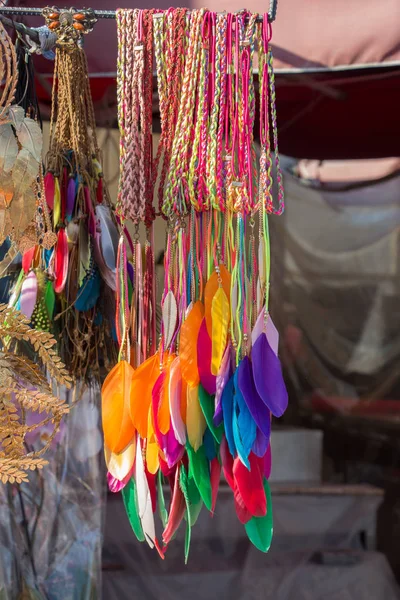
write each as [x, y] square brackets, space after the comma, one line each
[49, 187]
[222, 379]
[256, 406]
[268, 378]
[116, 485]
[175, 393]
[29, 293]
[167, 442]
[70, 204]
[268, 463]
[204, 353]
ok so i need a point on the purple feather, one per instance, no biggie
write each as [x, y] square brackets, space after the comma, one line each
[270, 330]
[70, 205]
[204, 349]
[130, 272]
[260, 444]
[256, 406]
[267, 463]
[172, 448]
[223, 376]
[268, 378]
[29, 293]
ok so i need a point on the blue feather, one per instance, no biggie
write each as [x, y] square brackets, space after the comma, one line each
[89, 292]
[243, 425]
[209, 445]
[227, 411]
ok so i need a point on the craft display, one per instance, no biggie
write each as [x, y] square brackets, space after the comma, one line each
[198, 401]
[204, 399]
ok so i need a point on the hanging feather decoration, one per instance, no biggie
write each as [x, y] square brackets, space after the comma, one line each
[29, 292]
[268, 376]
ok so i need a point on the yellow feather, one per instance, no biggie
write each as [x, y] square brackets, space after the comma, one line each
[57, 202]
[152, 461]
[220, 320]
[195, 421]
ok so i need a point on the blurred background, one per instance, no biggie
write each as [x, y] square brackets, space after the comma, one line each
[335, 294]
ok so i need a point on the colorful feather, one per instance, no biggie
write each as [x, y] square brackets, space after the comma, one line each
[116, 485]
[227, 463]
[145, 509]
[162, 509]
[169, 318]
[204, 351]
[176, 512]
[115, 394]
[184, 485]
[227, 411]
[215, 476]
[223, 376]
[260, 529]
[256, 406]
[89, 292]
[268, 326]
[268, 376]
[61, 262]
[195, 421]
[29, 294]
[57, 203]
[142, 385]
[246, 426]
[242, 512]
[188, 344]
[129, 495]
[70, 203]
[207, 407]
[250, 485]
[260, 444]
[152, 449]
[49, 299]
[49, 187]
[212, 286]
[199, 470]
[120, 465]
[27, 259]
[220, 319]
[175, 396]
[267, 462]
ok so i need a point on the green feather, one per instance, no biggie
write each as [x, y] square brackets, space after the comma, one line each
[207, 406]
[49, 299]
[183, 483]
[131, 506]
[161, 500]
[260, 529]
[200, 472]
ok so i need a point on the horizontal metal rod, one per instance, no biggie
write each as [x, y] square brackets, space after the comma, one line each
[100, 14]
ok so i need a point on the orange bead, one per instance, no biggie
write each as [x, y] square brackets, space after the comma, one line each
[78, 26]
[54, 25]
[79, 17]
[53, 16]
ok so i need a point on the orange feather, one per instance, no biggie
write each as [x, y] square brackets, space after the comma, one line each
[188, 344]
[141, 389]
[115, 395]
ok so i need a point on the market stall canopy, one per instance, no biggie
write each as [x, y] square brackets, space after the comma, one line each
[337, 65]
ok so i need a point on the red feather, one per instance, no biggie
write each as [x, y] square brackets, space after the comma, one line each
[243, 514]
[227, 463]
[176, 512]
[27, 259]
[250, 485]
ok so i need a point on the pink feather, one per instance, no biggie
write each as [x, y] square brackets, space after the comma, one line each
[29, 293]
[115, 485]
[61, 262]
[222, 379]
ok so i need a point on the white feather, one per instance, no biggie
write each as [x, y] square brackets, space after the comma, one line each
[144, 498]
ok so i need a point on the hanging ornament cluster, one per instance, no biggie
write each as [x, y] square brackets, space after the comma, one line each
[67, 282]
[202, 400]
